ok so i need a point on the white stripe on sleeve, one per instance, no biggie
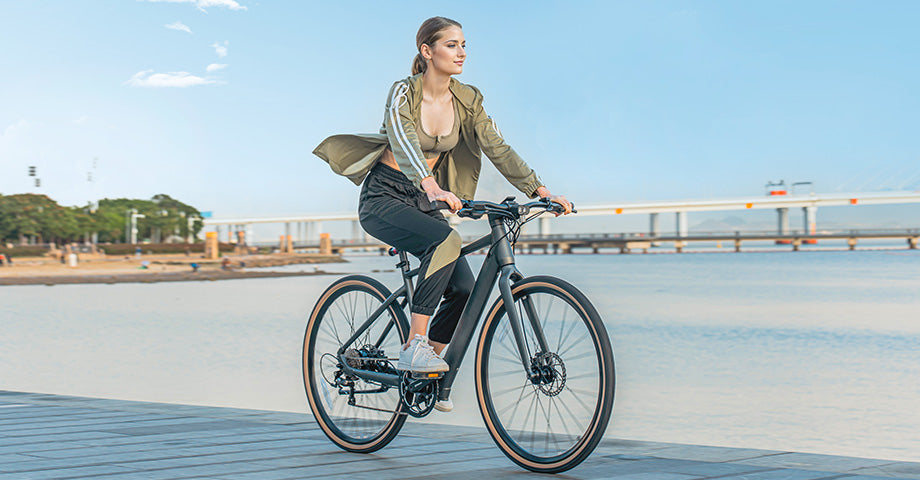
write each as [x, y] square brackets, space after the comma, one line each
[399, 96]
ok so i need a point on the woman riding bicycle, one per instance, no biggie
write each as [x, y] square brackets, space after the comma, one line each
[404, 168]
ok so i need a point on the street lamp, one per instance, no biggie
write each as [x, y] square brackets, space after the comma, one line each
[134, 217]
[191, 222]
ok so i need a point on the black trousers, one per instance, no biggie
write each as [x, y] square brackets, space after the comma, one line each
[395, 212]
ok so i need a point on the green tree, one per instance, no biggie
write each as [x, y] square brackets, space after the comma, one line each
[163, 216]
[35, 216]
[29, 216]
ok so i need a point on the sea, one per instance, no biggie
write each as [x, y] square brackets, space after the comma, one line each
[809, 351]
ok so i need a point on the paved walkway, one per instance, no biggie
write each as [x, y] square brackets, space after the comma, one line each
[56, 437]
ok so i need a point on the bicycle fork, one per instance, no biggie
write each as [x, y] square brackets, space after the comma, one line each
[514, 318]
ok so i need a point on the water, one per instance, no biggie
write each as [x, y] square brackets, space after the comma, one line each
[807, 351]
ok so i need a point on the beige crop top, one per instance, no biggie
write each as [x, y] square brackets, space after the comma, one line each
[432, 146]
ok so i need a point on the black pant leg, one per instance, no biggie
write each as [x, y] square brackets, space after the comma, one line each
[457, 293]
[391, 216]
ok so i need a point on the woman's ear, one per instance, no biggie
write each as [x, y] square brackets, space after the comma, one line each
[425, 50]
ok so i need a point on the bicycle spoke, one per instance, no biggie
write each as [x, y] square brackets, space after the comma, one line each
[574, 417]
[505, 390]
[578, 357]
[517, 403]
[583, 375]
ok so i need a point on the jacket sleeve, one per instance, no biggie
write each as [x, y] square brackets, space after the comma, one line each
[505, 159]
[400, 130]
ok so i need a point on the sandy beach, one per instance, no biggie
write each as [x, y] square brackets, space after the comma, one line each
[154, 268]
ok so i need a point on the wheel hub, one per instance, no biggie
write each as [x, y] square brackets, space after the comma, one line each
[548, 373]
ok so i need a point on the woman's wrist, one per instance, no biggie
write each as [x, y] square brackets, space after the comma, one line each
[543, 192]
[429, 185]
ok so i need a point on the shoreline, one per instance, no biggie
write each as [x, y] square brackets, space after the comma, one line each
[155, 277]
[156, 269]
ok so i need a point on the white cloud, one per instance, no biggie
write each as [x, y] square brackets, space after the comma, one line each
[13, 130]
[221, 49]
[149, 79]
[203, 4]
[216, 66]
[177, 25]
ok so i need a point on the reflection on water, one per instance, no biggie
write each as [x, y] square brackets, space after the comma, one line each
[816, 352]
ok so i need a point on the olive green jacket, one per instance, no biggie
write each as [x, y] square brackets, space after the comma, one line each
[456, 171]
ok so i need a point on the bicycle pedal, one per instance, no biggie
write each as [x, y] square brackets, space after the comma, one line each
[426, 375]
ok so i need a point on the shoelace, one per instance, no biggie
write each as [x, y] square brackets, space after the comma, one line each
[428, 348]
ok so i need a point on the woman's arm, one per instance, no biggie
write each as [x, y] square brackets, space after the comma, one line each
[400, 127]
[507, 161]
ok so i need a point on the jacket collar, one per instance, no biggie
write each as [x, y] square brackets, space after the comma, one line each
[461, 91]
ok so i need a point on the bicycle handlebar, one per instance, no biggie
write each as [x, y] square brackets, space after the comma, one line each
[508, 207]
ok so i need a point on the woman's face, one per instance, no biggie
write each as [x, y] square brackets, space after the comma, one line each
[449, 52]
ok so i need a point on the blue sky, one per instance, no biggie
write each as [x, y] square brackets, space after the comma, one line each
[608, 101]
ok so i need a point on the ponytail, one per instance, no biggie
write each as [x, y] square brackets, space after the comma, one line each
[419, 65]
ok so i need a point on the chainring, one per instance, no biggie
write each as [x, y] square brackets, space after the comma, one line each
[417, 396]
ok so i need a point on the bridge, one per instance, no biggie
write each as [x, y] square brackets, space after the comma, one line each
[309, 227]
[635, 242]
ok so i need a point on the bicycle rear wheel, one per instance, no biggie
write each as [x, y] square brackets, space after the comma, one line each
[357, 415]
[551, 422]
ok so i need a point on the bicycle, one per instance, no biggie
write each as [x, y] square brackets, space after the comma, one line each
[544, 370]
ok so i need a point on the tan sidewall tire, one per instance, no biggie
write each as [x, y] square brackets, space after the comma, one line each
[352, 282]
[607, 377]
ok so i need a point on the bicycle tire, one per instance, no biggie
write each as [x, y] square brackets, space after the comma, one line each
[341, 307]
[496, 342]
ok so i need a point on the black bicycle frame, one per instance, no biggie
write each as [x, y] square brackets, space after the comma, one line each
[498, 266]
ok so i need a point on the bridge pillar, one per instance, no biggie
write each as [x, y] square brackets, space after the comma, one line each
[251, 240]
[809, 214]
[654, 227]
[544, 226]
[287, 229]
[355, 230]
[682, 228]
[782, 221]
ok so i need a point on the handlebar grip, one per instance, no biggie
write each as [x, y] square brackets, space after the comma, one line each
[440, 205]
[557, 208]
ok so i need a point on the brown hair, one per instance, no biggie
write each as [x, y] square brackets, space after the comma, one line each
[428, 34]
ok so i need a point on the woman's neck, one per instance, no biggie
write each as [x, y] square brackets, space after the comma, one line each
[435, 85]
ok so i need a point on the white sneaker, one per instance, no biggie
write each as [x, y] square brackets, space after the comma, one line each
[420, 357]
[444, 405]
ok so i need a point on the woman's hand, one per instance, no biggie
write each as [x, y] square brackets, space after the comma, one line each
[435, 193]
[543, 192]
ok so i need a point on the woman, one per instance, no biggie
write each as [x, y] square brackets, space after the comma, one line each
[428, 149]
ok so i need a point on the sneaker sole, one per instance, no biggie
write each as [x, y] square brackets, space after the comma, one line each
[443, 409]
[405, 367]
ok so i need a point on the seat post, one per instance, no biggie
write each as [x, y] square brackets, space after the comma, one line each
[403, 266]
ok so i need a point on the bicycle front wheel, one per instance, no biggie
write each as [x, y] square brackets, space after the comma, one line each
[357, 415]
[552, 420]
